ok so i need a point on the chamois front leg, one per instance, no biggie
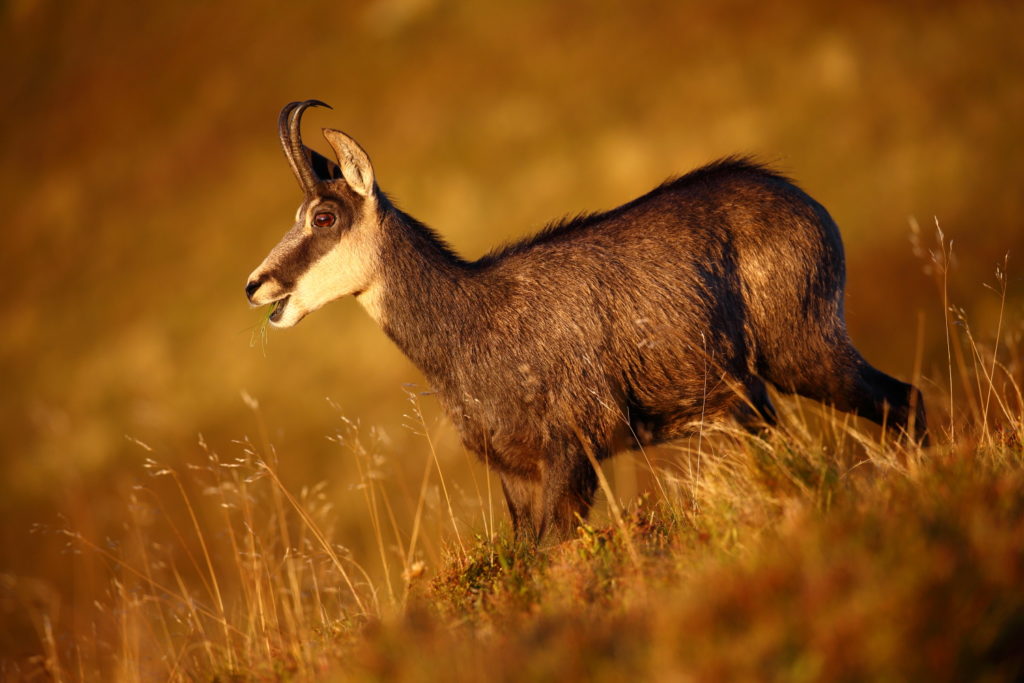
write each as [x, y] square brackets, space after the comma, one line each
[569, 487]
[524, 507]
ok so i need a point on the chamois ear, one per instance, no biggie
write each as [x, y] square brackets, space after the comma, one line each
[353, 160]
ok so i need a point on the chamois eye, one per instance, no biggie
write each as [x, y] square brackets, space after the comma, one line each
[324, 219]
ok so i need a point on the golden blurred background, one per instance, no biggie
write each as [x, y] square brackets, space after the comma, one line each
[141, 181]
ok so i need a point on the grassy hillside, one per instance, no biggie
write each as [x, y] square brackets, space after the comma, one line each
[141, 181]
[818, 552]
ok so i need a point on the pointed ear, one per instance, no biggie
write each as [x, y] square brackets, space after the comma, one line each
[354, 162]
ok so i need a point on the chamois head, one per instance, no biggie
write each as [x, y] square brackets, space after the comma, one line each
[331, 250]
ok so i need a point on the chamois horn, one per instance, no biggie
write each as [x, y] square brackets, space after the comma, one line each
[291, 141]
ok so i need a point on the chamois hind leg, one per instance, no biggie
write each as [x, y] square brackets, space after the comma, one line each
[851, 384]
[754, 410]
[886, 400]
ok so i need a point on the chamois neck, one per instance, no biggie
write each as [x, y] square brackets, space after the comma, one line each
[426, 300]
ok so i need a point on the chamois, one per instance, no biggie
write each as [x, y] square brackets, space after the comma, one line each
[629, 326]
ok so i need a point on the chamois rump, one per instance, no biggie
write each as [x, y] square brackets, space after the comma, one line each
[599, 332]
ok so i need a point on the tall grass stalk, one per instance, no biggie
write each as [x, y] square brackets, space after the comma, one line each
[414, 400]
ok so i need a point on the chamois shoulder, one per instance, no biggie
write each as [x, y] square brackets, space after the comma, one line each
[700, 181]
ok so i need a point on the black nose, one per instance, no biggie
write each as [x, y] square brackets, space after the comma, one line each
[251, 288]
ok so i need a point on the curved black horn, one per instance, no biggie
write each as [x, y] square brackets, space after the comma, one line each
[291, 141]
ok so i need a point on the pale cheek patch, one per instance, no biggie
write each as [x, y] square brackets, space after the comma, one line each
[346, 269]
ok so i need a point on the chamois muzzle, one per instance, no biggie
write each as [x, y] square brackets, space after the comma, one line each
[291, 141]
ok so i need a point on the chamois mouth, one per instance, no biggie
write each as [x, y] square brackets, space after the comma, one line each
[279, 306]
